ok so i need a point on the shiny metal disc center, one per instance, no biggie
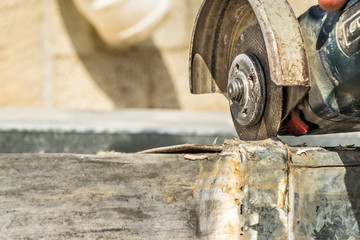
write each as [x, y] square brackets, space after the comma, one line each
[246, 89]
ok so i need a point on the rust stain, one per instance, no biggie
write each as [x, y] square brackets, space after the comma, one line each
[282, 191]
[170, 196]
[236, 166]
[229, 229]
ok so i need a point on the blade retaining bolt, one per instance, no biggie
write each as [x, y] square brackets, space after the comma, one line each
[235, 89]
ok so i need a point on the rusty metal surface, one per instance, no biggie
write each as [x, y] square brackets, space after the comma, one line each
[218, 196]
[251, 190]
[297, 193]
[262, 172]
[219, 25]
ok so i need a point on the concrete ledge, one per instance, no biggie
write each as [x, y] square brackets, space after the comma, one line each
[63, 131]
[57, 131]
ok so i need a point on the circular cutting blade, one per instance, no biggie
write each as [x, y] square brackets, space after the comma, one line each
[251, 42]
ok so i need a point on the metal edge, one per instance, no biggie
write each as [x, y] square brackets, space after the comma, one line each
[198, 85]
[284, 42]
[283, 39]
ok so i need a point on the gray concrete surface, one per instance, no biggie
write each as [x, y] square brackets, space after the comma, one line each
[55, 131]
[64, 131]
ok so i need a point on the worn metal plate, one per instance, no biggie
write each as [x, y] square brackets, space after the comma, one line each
[297, 193]
[252, 190]
[324, 194]
[119, 196]
[263, 187]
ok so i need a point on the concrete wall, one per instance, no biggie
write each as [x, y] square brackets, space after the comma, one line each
[51, 57]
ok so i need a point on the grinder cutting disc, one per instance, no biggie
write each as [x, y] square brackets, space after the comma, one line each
[257, 112]
[256, 105]
[252, 52]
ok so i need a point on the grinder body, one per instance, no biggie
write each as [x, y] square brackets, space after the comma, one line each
[332, 43]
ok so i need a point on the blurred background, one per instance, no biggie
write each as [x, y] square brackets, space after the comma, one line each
[103, 75]
[52, 57]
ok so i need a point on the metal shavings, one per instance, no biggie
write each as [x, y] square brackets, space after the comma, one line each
[185, 148]
[304, 150]
[193, 157]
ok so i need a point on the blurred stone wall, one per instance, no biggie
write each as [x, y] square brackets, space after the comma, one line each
[51, 57]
